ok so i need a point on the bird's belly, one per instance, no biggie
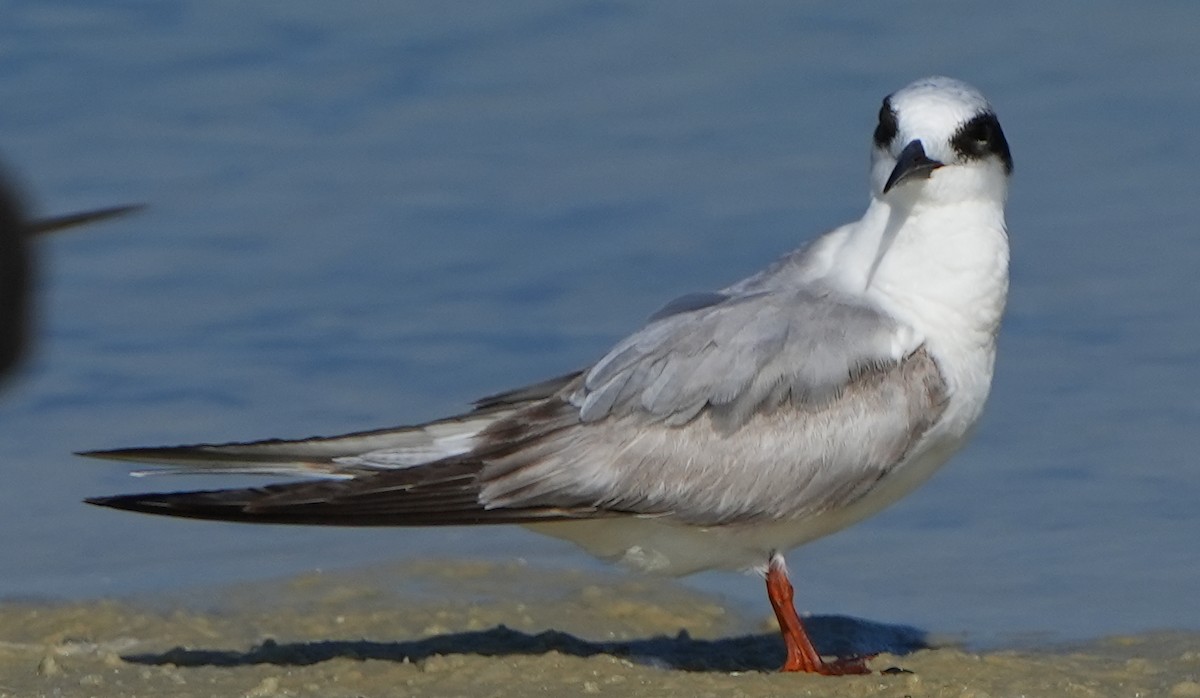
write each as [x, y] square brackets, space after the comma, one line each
[661, 546]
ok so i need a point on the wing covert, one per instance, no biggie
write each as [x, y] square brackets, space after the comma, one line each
[745, 354]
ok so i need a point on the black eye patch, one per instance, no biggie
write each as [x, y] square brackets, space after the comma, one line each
[981, 137]
[887, 128]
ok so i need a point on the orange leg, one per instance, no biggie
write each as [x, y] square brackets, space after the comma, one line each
[801, 655]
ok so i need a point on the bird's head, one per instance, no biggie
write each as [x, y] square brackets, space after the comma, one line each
[938, 140]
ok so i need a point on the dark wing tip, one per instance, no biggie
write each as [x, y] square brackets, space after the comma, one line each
[113, 454]
[318, 503]
[173, 504]
[128, 503]
[231, 453]
[234, 505]
[146, 454]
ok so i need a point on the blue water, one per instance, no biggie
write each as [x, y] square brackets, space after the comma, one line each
[364, 214]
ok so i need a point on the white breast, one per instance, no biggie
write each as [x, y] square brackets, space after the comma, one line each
[944, 272]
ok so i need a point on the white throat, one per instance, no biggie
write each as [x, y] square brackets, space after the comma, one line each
[941, 268]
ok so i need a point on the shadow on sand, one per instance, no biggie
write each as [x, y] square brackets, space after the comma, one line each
[834, 635]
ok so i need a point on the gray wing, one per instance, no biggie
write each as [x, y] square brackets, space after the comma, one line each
[775, 404]
[742, 354]
[772, 404]
[540, 463]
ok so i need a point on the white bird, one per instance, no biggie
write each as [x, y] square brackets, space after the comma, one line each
[732, 427]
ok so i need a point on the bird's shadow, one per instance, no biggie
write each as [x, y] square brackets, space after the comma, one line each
[834, 635]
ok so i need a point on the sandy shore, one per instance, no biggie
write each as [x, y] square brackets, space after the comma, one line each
[466, 629]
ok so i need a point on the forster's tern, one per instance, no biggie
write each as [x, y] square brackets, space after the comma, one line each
[734, 425]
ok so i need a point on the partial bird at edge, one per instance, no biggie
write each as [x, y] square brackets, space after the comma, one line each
[17, 266]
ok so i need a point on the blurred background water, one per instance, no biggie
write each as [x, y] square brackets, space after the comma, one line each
[365, 214]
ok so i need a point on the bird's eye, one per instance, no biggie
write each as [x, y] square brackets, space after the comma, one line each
[980, 132]
[982, 137]
[887, 128]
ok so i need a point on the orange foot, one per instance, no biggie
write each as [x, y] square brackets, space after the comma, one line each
[801, 655]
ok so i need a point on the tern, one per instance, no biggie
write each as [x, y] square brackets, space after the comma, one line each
[734, 425]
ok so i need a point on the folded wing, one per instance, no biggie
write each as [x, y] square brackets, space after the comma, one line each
[768, 405]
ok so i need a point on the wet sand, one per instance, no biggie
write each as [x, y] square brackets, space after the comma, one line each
[480, 629]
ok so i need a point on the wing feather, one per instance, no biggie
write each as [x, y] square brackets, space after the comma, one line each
[767, 401]
[742, 355]
[345, 455]
[795, 461]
